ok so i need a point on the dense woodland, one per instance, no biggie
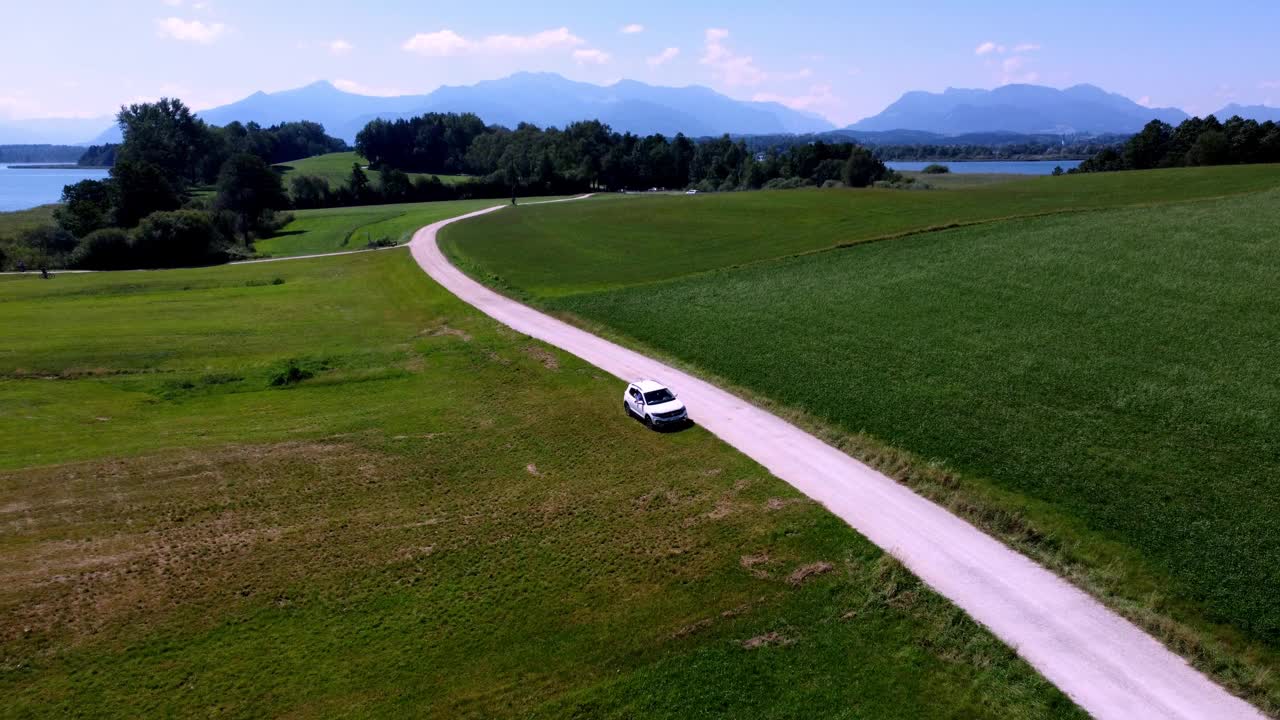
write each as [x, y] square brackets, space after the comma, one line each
[1193, 142]
[583, 156]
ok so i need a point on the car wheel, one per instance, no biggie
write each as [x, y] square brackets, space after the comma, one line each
[626, 408]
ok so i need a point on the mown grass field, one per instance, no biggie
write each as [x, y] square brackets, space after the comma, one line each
[336, 168]
[353, 228]
[565, 250]
[326, 487]
[1106, 379]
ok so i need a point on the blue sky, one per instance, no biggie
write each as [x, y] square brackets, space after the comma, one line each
[845, 60]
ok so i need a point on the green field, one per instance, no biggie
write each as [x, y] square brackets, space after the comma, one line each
[353, 228]
[1103, 382]
[598, 246]
[328, 487]
[336, 168]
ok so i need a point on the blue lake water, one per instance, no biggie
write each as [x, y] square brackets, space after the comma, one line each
[22, 189]
[1010, 167]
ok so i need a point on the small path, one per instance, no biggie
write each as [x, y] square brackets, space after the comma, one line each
[1107, 665]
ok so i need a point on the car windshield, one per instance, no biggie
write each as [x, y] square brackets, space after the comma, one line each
[657, 397]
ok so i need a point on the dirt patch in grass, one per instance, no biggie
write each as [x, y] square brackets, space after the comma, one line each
[106, 544]
[544, 356]
[441, 329]
[766, 640]
[804, 572]
[780, 503]
[752, 563]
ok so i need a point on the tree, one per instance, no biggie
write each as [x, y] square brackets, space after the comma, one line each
[862, 168]
[164, 134]
[248, 188]
[86, 206]
[1147, 148]
[106, 249]
[183, 238]
[140, 189]
[49, 245]
[358, 183]
[1211, 148]
[309, 191]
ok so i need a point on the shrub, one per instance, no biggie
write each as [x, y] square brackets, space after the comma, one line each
[181, 238]
[105, 249]
[48, 246]
[832, 184]
[294, 370]
[863, 168]
[936, 169]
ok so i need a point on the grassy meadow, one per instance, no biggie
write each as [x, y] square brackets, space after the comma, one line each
[563, 250]
[353, 228]
[12, 223]
[1097, 388]
[336, 168]
[327, 487]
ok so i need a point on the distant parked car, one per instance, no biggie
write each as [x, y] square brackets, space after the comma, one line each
[691, 192]
[654, 403]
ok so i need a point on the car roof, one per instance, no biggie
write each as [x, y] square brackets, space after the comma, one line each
[648, 385]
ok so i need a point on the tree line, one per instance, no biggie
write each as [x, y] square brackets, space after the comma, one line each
[1193, 142]
[1009, 151]
[39, 153]
[589, 154]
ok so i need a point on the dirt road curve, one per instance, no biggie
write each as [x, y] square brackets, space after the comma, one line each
[1108, 666]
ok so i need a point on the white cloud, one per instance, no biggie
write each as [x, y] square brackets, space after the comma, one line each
[1269, 85]
[190, 30]
[340, 47]
[818, 96]
[443, 42]
[730, 68]
[663, 57]
[173, 3]
[633, 28]
[352, 86]
[447, 42]
[989, 47]
[1013, 70]
[593, 56]
[1145, 101]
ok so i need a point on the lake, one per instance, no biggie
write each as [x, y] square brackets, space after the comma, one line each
[1008, 167]
[22, 189]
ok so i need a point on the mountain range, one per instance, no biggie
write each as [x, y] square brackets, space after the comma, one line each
[1081, 109]
[547, 99]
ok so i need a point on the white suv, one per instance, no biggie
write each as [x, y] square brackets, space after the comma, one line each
[654, 403]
